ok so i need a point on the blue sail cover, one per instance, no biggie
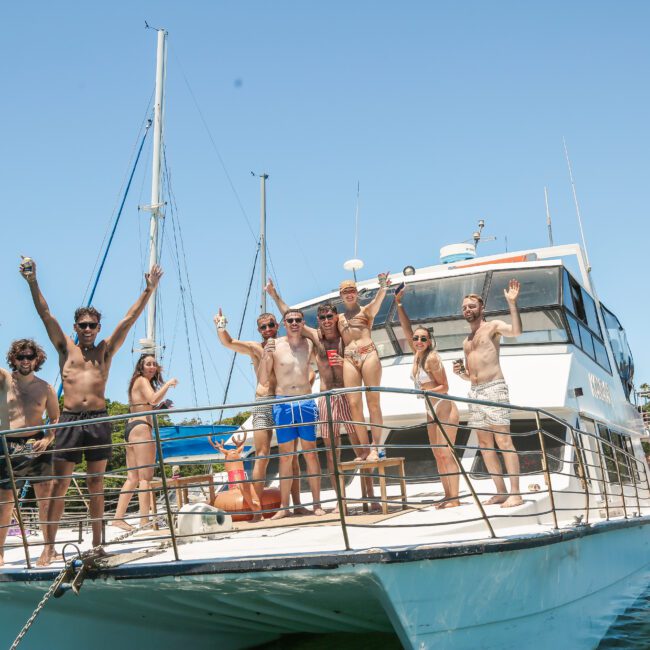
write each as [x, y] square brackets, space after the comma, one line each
[190, 442]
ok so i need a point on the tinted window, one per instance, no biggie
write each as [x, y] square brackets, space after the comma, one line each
[440, 298]
[539, 287]
[575, 330]
[590, 311]
[587, 341]
[448, 335]
[601, 354]
[620, 349]
[539, 327]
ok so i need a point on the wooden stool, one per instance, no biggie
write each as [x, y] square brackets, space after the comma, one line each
[366, 469]
[181, 485]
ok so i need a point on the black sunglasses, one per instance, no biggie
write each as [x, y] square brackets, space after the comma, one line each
[23, 357]
[422, 339]
[87, 326]
[291, 321]
[326, 317]
[266, 326]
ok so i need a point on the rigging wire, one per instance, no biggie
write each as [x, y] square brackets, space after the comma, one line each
[241, 326]
[214, 145]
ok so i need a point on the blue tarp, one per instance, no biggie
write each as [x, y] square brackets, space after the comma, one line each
[191, 440]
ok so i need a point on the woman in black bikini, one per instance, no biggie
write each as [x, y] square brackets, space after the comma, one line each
[428, 373]
[146, 391]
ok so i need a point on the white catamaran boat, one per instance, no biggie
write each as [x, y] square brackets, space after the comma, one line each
[554, 571]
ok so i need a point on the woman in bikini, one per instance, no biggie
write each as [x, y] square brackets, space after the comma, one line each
[428, 373]
[146, 391]
[361, 364]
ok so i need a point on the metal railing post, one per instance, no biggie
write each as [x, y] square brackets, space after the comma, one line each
[163, 480]
[19, 517]
[583, 469]
[620, 478]
[604, 473]
[337, 474]
[542, 446]
[459, 465]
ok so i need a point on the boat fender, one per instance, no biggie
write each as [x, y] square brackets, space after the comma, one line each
[198, 521]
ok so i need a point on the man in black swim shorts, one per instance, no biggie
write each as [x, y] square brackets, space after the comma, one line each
[84, 366]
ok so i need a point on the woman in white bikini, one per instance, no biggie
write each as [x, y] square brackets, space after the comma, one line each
[361, 364]
[428, 373]
[146, 392]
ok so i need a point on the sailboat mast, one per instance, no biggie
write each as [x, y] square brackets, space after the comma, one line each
[155, 207]
[263, 178]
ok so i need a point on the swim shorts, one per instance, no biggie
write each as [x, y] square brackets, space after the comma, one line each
[263, 415]
[485, 416]
[302, 414]
[87, 435]
[341, 415]
[26, 466]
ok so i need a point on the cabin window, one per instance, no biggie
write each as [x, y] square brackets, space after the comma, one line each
[539, 288]
[448, 334]
[538, 327]
[525, 437]
[620, 350]
[615, 448]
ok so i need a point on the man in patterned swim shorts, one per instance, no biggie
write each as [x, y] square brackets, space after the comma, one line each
[483, 370]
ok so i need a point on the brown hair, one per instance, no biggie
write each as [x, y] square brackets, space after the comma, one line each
[326, 306]
[87, 311]
[156, 381]
[432, 344]
[473, 296]
[292, 311]
[26, 344]
[266, 314]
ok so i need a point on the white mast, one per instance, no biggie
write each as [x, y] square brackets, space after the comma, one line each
[263, 178]
[149, 343]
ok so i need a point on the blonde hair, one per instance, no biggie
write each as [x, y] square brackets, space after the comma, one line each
[473, 296]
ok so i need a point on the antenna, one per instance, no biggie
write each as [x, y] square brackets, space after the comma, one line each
[355, 264]
[548, 219]
[575, 200]
[477, 235]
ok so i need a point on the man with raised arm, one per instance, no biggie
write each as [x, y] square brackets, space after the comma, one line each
[483, 370]
[263, 424]
[84, 366]
[329, 360]
[27, 398]
[289, 359]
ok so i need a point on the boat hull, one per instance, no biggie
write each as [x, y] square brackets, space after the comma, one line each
[562, 589]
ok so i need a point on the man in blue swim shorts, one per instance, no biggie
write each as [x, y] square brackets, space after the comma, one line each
[289, 358]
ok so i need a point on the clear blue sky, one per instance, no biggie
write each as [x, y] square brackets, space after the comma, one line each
[445, 112]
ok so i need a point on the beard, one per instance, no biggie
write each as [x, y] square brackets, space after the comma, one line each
[24, 371]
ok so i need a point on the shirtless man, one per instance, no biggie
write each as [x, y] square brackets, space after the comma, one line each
[263, 424]
[27, 397]
[483, 370]
[289, 359]
[329, 360]
[84, 369]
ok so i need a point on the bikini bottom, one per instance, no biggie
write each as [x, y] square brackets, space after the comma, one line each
[358, 356]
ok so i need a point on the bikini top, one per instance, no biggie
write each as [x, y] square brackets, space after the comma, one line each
[360, 320]
[422, 377]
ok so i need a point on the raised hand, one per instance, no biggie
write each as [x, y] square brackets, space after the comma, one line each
[27, 268]
[220, 320]
[512, 292]
[383, 280]
[153, 277]
[269, 287]
[173, 382]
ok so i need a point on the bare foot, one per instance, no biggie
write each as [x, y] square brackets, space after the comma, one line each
[373, 456]
[256, 518]
[46, 558]
[301, 510]
[281, 514]
[452, 503]
[375, 507]
[512, 501]
[120, 523]
[359, 459]
[319, 512]
[497, 498]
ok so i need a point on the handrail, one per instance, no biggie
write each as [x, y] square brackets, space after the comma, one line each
[574, 438]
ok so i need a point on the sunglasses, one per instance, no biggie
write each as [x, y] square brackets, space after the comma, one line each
[87, 326]
[23, 357]
[422, 339]
[291, 321]
[268, 326]
[326, 317]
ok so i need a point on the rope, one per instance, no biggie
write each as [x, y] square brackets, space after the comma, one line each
[241, 326]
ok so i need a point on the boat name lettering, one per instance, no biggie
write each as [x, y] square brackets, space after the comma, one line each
[600, 389]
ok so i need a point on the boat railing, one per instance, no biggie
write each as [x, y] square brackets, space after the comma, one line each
[595, 481]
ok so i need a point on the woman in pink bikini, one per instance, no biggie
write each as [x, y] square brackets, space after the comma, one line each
[361, 361]
[428, 373]
[146, 391]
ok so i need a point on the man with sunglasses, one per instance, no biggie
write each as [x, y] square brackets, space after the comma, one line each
[26, 398]
[289, 360]
[263, 423]
[84, 366]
